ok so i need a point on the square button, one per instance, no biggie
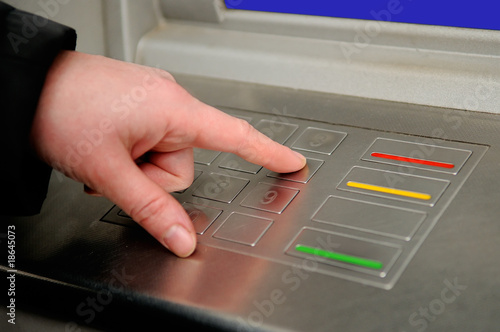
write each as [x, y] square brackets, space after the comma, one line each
[220, 187]
[204, 157]
[277, 131]
[303, 175]
[236, 163]
[201, 216]
[270, 198]
[319, 140]
[243, 229]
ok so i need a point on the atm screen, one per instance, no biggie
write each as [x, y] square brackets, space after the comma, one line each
[480, 14]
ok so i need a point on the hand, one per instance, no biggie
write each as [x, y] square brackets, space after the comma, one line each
[127, 132]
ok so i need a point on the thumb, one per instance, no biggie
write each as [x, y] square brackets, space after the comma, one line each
[122, 181]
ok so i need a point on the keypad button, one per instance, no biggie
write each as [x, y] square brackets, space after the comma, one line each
[393, 185]
[417, 155]
[372, 218]
[242, 228]
[204, 157]
[319, 140]
[220, 187]
[344, 251]
[269, 198]
[303, 175]
[236, 163]
[277, 131]
[201, 216]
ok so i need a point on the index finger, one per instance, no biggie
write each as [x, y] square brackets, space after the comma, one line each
[216, 130]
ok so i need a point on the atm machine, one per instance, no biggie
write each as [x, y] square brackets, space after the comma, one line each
[392, 226]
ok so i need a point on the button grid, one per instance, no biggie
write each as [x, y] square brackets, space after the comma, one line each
[359, 210]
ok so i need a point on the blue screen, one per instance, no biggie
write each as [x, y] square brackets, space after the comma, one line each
[478, 14]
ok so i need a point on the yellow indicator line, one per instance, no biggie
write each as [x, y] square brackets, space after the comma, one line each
[387, 190]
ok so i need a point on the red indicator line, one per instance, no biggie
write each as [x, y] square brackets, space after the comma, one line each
[412, 160]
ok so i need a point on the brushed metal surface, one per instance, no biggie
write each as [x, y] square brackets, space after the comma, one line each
[451, 278]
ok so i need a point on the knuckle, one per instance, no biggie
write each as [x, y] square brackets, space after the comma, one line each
[181, 182]
[186, 179]
[148, 213]
[248, 142]
[165, 74]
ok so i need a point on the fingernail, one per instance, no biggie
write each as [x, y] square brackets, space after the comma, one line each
[178, 240]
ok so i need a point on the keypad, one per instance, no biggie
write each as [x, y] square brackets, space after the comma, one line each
[359, 210]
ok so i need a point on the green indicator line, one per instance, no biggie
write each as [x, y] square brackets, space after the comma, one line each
[372, 264]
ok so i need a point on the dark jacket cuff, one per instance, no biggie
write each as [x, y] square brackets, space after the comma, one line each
[28, 46]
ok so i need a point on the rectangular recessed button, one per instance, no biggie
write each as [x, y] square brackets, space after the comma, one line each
[270, 198]
[344, 251]
[236, 163]
[220, 187]
[374, 218]
[303, 175]
[242, 228]
[204, 157]
[319, 140]
[417, 155]
[399, 186]
[277, 131]
[201, 216]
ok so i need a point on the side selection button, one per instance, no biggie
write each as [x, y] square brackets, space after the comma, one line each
[399, 186]
[344, 251]
[417, 155]
[370, 217]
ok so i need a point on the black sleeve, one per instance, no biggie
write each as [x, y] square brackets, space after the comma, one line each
[28, 46]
